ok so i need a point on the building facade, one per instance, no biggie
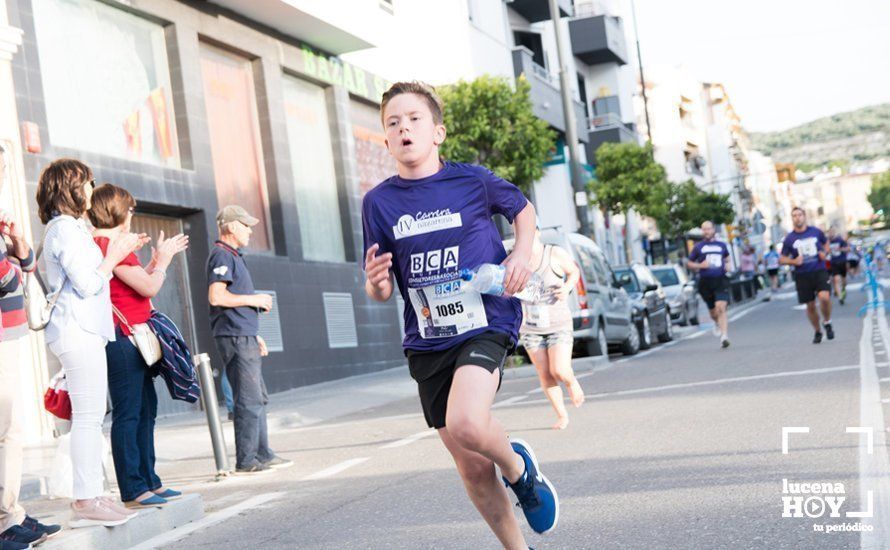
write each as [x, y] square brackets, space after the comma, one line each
[194, 105]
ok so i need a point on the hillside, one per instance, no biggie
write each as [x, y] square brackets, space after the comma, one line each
[857, 135]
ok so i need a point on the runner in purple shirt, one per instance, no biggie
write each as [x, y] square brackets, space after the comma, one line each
[805, 248]
[839, 248]
[421, 227]
[709, 258]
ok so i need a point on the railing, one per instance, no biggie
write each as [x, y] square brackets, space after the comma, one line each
[588, 9]
[542, 73]
[607, 120]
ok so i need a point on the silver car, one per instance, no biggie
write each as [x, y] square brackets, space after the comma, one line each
[680, 292]
[601, 309]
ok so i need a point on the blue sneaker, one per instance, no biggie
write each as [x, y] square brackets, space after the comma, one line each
[537, 497]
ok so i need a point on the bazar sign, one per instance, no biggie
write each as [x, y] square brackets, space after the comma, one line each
[335, 71]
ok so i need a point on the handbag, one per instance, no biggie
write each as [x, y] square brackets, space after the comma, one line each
[144, 338]
[38, 307]
[56, 399]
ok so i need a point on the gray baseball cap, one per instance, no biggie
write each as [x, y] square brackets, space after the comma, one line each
[234, 213]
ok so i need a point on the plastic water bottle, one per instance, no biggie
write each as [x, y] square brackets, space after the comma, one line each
[489, 279]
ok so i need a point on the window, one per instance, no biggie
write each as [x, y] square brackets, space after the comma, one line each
[602, 269]
[631, 284]
[667, 277]
[532, 41]
[106, 81]
[374, 162]
[585, 260]
[312, 165]
[234, 137]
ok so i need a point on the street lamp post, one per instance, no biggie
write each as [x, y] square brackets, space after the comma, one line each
[565, 83]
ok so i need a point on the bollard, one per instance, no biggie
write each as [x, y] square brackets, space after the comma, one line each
[211, 407]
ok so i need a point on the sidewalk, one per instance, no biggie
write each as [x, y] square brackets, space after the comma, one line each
[185, 456]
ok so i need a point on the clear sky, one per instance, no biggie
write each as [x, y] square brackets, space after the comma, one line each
[784, 62]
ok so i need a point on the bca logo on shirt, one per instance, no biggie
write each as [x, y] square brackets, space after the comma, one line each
[221, 270]
[435, 260]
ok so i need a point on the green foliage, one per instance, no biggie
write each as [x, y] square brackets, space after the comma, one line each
[879, 196]
[626, 175]
[843, 137]
[679, 207]
[837, 126]
[491, 124]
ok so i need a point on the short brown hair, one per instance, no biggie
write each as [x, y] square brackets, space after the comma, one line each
[422, 89]
[110, 206]
[60, 189]
[799, 208]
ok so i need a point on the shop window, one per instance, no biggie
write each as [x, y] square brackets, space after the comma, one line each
[106, 81]
[235, 137]
[375, 164]
[312, 165]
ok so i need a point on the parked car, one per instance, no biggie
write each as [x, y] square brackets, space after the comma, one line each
[601, 309]
[650, 309]
[680, 292]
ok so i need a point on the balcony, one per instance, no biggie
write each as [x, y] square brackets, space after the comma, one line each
[335, 27]
[539, 10]
[545, 93]
[598, 39]
[607, 128]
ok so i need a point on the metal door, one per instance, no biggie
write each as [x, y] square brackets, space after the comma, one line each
[174, 299]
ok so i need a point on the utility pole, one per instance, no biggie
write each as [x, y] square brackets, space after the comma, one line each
[568, 109]
[633, 10]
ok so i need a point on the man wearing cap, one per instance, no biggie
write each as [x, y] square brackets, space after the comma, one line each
[234, 321]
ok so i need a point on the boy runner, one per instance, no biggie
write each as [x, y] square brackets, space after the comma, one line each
[421, 227]
[805, 249]
[709, 257]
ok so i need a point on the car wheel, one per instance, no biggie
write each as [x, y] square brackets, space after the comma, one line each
[684, 319]
[694, 319]
[645, 333]
[668, 333]
[599, 345]
[631, 344]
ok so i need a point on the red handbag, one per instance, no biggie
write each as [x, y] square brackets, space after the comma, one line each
[56, 400]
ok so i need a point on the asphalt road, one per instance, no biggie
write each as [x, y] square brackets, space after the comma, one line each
[680, 447]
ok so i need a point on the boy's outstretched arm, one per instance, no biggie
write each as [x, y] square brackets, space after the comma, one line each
[516, 263]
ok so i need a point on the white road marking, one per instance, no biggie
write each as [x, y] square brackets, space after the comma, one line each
[510, 401]
[211, 519]
[873, 468]
[335, 469]
[656, 389]
[408, 440]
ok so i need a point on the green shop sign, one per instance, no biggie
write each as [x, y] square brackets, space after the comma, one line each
[334, 70]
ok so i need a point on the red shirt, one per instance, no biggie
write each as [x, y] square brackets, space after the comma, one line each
[135, 307]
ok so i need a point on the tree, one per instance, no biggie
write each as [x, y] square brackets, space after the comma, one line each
[679, 207]
[626, 173]
[711, 206]
[491, 124]
[879, 196]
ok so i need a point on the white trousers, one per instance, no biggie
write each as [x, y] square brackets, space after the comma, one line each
[11, 513]
[82, 355]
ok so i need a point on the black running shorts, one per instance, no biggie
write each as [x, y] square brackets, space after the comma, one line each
[434, 370]
[810, 284]
[839, 269]
[713, 290]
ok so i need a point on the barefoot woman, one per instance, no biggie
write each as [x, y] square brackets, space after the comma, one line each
[546, 331]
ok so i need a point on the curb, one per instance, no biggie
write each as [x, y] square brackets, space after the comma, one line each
[141, 528]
